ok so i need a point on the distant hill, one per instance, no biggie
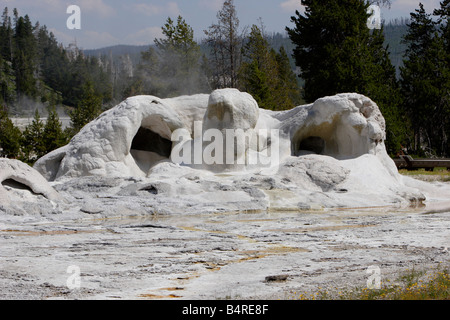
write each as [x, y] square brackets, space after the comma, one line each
[119, 50]
[393, 35]
[394, 32]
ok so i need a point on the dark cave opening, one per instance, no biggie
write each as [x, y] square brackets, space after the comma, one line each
[13, 184]
[313, 143]
[149, 141]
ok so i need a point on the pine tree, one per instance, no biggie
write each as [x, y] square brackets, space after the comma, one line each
[6, 36]
[266, 74]
[99, 78]
[225, 40]
[179, 41]
[88, 109]
[10, 136]
[288, 88]
[331, 46]
[337, 52]
[53, 64]
[258, 73]
[7, 82]
[173, 67]
[33, 140]
[425, 83]
[24, 53]
[146, 79]
[443, 14]
[179, 59]
[8, 91]
[54, 136]
[384, 88]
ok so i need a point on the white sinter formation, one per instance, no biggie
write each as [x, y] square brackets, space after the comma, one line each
[179, 155]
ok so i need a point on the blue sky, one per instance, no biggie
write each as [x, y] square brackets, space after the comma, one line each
[138, 22]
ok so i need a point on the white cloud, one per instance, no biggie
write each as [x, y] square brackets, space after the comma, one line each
[47, 6]
[51, 5]
[292, 5]
[171, 9]
[97, 7]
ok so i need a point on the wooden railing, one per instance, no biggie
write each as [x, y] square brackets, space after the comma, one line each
[407, 162]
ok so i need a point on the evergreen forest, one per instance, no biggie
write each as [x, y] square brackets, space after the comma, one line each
[404, 67]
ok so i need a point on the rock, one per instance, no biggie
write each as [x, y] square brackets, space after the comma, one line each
[223, 139]
[49, 165]
[231, 109]
[343, 126]
[16, 175]
[116, 143]
[170, 155]
[277, 278]
[130, 139]
[91, 208]
[26, 193]
[314, 172]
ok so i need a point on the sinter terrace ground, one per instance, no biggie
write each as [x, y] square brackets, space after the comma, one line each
[281, 255]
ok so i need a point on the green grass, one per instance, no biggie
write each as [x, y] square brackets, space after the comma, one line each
[411, 285]
[440, 174]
